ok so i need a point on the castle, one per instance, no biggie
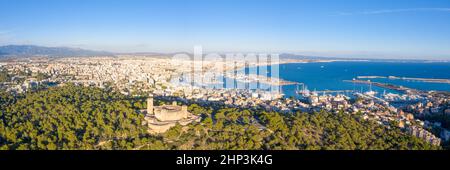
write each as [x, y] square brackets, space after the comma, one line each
[159, 119]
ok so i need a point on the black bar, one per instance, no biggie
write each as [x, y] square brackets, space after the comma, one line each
[279, 159]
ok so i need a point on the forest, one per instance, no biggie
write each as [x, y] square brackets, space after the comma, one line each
[88, 118]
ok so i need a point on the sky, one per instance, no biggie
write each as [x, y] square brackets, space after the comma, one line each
[401, 29]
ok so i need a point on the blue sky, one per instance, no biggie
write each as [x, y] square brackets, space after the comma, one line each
[417, 29]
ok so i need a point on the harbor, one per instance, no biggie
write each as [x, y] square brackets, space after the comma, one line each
[383, 85]
[429, 80]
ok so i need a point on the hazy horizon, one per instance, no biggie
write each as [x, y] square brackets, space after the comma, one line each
[380, 29]
[324, 54]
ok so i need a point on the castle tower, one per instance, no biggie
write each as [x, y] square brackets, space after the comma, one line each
[150, 104]
[185, 111]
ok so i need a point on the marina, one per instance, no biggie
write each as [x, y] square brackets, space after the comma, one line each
[430, 80]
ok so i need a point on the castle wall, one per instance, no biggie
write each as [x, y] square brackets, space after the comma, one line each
[160, 128]
[160, 119]
[164, 115]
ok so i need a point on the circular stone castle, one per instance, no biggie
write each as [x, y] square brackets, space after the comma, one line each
[159, 119]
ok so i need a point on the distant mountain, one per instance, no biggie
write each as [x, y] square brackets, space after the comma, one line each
[287, 56]
[32, 50]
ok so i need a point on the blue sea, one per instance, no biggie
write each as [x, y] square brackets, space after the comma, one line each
[330, 75]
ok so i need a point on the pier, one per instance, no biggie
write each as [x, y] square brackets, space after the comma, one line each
[384, 85]
[336, 91]
[429, 80]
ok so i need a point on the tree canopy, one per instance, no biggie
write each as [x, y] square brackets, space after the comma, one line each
[74, 117]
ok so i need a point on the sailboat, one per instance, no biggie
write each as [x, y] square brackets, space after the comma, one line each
[304, 92]
[370, 92]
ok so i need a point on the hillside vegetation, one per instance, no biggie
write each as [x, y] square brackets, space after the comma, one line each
[73, 117]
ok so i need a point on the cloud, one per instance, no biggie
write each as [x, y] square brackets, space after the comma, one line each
[6, 33]
[3, 33]
[389, 11]
[7, 37]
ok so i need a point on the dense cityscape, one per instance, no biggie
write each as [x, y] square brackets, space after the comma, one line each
[421, 114]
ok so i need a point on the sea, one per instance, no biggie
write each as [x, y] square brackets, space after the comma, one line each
[322, 76]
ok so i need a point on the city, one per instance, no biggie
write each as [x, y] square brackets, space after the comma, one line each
[141, 75]
[225, 83]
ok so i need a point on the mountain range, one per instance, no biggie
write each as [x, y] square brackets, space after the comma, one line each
[32, 50]
[18, 51]
[23, 51]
